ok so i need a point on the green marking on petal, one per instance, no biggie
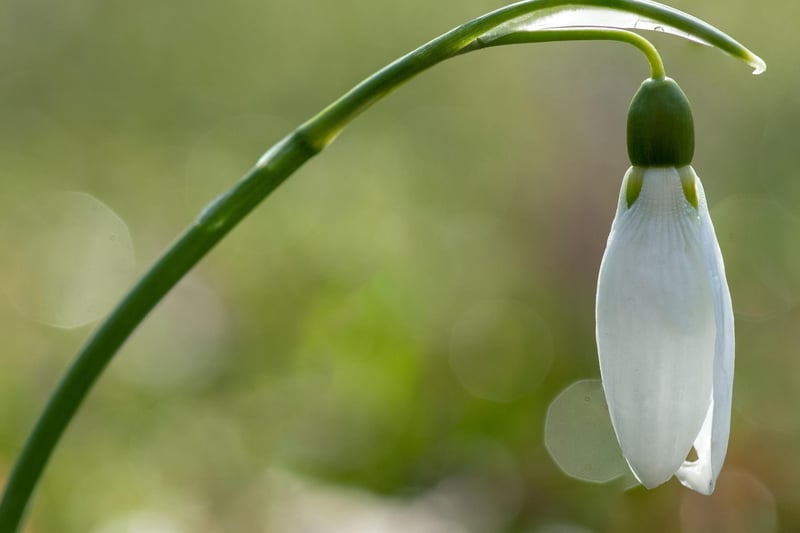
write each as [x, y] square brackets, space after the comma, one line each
[634, 185]
[689, 185]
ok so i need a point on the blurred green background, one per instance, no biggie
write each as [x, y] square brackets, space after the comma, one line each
[376, 347]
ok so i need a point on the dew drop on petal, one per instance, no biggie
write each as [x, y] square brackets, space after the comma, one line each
[579, 436]
[70, 258]
[740, 504]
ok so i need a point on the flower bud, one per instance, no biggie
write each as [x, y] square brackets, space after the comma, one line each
[660, 125]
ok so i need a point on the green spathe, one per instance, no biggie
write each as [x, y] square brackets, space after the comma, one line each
[660, 125]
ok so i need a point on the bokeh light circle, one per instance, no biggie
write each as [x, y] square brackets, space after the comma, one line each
[70, 258]
[579, 436]
[740, 504]
[778, 171]
[186, 338]
[500, 349]
[767, 369]
[560, 528]
[762, 262]
[145, 521]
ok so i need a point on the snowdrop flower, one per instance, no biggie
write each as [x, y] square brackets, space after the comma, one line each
[664, 319]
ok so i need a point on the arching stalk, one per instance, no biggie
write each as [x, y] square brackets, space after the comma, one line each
[227, 210]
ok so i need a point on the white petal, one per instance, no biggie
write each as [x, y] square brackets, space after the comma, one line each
[656, 326]
[712, 441]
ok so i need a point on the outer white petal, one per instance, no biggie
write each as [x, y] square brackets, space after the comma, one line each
[656, 326]
[712, 441]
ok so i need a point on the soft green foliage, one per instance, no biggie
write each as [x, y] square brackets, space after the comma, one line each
[318, 338]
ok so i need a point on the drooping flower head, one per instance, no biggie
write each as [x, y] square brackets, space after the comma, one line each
[665, 334]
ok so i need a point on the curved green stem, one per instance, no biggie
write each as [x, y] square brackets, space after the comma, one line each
[226, 211]
[581, 34]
